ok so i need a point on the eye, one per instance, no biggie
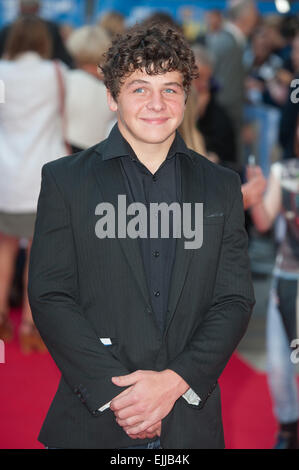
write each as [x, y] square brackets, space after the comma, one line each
[169, 90]
[139, 90]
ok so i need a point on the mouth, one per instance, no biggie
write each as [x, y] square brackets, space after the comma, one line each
[155, 121]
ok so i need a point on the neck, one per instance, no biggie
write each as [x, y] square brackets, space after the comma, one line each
[151, 155]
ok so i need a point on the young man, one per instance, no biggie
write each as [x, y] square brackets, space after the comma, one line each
[140, 325]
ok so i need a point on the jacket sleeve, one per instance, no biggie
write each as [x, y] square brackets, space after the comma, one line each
[85, 363]
[213, 342]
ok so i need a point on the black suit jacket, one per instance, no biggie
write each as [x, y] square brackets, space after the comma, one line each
[82, 288]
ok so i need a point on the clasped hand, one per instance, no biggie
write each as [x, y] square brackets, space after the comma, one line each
[139, 409]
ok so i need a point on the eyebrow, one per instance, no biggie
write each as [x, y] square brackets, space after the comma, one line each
[145, 82]
[174, 84]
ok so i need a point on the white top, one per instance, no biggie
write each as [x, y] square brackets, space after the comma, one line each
[87, 112]
[285, 189]
[30, 129]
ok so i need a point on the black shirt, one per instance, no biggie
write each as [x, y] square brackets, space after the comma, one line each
[158, 254]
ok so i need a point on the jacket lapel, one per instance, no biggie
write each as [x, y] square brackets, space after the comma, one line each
[192, 191]
[110, 179]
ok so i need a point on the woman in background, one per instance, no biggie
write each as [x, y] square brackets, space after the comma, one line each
[88, 116]
[188, 130]
[30, 135]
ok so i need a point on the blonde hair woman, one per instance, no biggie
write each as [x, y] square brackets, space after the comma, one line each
[87, 114]
[188, 130]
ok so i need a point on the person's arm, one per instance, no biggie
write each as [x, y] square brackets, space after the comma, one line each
[253, 190]
[215, 339]
[85, 363]
[265, 210]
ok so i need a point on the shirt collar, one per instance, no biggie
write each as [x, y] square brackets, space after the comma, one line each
[117, 146]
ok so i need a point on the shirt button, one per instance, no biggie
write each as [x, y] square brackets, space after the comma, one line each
[154, 178]
[156, 253]
[156, 293]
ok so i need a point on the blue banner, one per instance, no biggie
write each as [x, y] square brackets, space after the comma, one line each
[137, 10]
[8, 11]
[73, 12]
[64, 11]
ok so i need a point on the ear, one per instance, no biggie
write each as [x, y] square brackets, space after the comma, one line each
[111, 102]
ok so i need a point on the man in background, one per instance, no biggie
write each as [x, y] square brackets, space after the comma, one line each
[227, 47]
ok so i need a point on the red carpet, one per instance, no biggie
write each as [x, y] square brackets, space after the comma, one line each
[28, 384]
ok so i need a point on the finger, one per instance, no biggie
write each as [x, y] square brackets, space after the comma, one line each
[150, 435]
[248, 172]
[152, 431]
[143, 435]
[122, 394]
[132, 420]
[258, 171]
[251, 172]
[124, 380]
[123, 401]
[136, 436]
[153, 428]
[141, 427]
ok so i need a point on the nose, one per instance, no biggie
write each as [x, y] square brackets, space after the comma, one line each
[156, 102]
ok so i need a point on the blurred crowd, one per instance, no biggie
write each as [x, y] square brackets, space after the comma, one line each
[242, 112]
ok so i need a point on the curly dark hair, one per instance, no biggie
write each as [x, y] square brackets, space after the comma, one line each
[156, 48]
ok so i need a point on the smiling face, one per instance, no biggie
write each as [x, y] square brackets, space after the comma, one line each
[149, 107]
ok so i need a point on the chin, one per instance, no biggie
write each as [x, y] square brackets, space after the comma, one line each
[153, 139]
[156, 136]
